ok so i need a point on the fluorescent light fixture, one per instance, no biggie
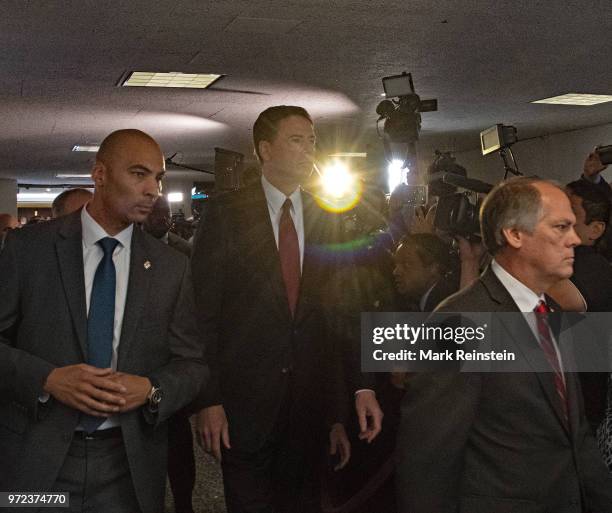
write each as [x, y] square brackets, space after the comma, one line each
[396, 174]
[175, 197]
[72, 175]
[576, 99]
[172, 79]
[92, 148]
[349, 155]
[36, 197]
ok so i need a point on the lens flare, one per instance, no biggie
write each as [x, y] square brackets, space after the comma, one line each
[340, 190]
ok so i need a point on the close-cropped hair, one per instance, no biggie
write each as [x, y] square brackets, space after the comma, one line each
[59, 203]
[431, 250]
[594, 202]
[266, 125]
[514, 203]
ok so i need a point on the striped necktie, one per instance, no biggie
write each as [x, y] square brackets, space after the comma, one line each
[547, 345]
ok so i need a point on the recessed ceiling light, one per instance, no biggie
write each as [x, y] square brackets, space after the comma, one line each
[71, 175]
[86, 147]
[577, 99]
[349, 154]
[173, 79]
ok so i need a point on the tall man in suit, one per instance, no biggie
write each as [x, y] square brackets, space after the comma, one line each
[507, 442]
[262, 261]
[98, 345]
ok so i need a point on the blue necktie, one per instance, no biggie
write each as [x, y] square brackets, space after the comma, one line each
[101, 319]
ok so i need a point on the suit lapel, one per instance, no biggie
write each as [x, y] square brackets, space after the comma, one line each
[69, 248]
[525, 341]
[142, 270]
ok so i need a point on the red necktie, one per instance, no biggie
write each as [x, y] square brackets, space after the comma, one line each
[548, 347]
[289, 251]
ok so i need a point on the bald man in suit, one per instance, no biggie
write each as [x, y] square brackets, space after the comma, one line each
[98, 346]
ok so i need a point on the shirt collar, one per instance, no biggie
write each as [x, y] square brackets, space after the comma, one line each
[425, 297]
[276, 198]
[525, 298]
[93, 232]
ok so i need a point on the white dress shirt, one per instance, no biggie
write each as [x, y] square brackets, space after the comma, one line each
[275, 200]
[92, 256]
[526, 300]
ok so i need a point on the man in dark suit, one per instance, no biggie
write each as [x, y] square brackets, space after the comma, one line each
[98, 345]
[262, 261]
[507, 442]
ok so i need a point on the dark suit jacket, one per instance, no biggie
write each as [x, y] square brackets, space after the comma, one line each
[496, 442]
[180, 244]
[43, 324]
[256, 349]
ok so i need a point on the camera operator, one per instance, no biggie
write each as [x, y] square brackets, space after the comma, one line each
[592, 272]
[425, 271]
[591, 173]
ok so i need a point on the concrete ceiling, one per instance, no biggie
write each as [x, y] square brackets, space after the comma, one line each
[61, 61]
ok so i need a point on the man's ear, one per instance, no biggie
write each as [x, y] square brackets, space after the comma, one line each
[98, 174]
[596, 229]
[264, 150]
[514, 237]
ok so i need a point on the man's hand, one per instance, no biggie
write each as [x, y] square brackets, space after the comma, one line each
[369, 414]
[87, 389]
[421, 223]
[212, 428]
[470, 254]
[136, 388]
[339, 444]
[592, 166]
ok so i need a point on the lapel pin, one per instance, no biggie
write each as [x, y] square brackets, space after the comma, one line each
[147, 265]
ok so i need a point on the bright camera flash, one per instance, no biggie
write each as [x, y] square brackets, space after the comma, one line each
[395, 173]
[337, 181]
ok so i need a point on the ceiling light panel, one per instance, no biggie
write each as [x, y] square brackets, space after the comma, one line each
[86, 147]
[172, 79]
[350, 154]
[577, 99]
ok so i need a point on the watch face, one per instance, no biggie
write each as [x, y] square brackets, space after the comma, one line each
[156, 396]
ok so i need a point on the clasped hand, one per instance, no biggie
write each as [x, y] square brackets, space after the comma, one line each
[97, 392]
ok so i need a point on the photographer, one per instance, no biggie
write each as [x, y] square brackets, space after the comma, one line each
[425, 271]
[592, 272]
[592, 170]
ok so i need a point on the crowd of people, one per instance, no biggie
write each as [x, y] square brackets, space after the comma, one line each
[115, 331]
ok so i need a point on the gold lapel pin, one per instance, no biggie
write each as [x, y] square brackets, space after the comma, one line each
[147, 265]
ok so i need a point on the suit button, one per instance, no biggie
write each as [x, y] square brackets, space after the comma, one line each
[296, 332]
[284, 370]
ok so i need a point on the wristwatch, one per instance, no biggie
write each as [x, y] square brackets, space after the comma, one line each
[155, 397]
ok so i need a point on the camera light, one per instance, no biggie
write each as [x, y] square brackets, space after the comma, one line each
[336, 180]
[340, 189]
[396, 173]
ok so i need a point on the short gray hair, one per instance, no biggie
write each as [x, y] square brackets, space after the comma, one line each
[514, 203]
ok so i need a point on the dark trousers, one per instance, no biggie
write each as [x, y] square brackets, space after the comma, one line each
[283, 475]
[97, 476]
[181, 462]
